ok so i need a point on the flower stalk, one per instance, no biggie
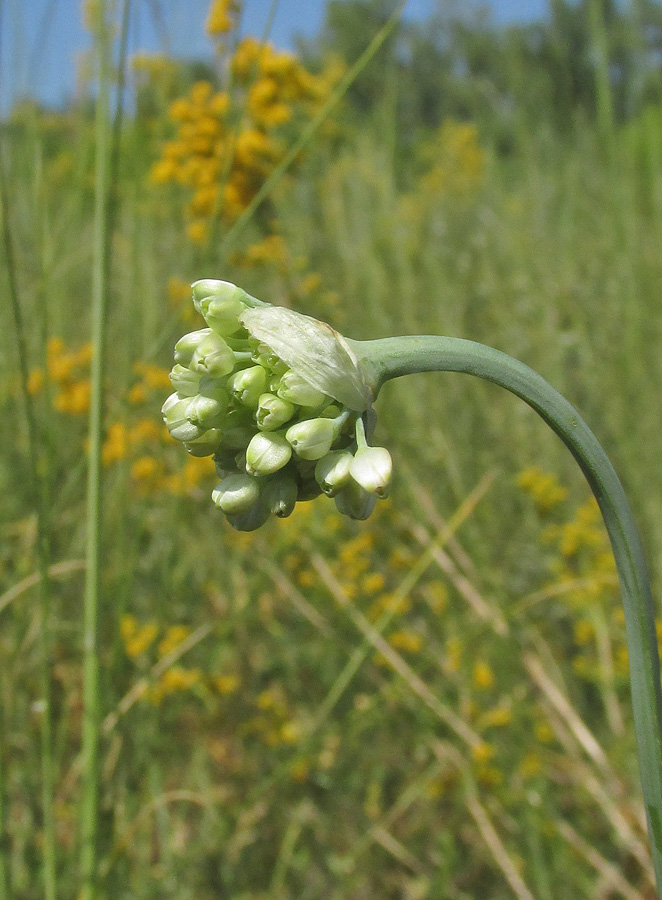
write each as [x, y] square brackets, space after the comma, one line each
[308, 434]
[389, 358]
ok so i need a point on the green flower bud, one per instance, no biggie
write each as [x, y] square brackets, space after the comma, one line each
[236, 494]
[206, 444]
[312, 438]
[174, 416]
[267, 453]
[187, 345]
[280, 494]
[272, 412]
[247, 385]
[264, 356]
[213, 357]
[220, 303]
[205, 411]
[332, 472]
[184, 381]
[214, 388]
[298, 391]
[372, 468]
[354, 501]
[224, 460]
[208, 289]
[308, 489]
[238, 429]
[252, 519]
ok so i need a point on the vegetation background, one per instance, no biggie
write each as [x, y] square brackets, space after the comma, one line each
[431, 704]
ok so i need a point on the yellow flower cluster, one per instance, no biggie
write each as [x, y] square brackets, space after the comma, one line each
[457, 158]
[222, 17]
[225, 148]
[543, 488]
[137, 638]
[67, 371]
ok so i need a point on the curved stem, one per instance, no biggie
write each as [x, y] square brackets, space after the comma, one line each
[392, 357]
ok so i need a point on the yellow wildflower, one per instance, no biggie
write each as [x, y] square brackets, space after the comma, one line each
[221, 17]
[482, 752]
[172, 639]
[226, 684]
[35, 381]
[116, 444]
[74, 398]
[197, 231]
[406, 640]
[483, 675]
[141, 640]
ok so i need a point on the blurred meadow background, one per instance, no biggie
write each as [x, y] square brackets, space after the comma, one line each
[430, 704]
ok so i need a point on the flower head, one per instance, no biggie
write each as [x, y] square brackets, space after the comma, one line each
[279, 399]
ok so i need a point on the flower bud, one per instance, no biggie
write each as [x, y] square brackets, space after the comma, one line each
[252, 519]
[224, 460]
[272, 412]
[214, 389]
[213, 357]
[206, 444]
[207, 289]
[188, 344]
[354, 501]
[372, 468]
[264, 356]
[174, 416]
[205, 411]
[312, 438]
[280, 495]
[236, 494]
[267, 453]
[238, 429]
[184, 381]
[297, 390]
[247, 385]
[332, 472]
[220, 303]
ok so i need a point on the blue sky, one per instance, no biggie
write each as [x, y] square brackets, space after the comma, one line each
[41, 40]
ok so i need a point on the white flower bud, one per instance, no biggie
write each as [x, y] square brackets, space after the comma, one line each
[213, 357]
[236, 494]
[267, 453]
[297, 390]
[272, 412]
[332, 471]
[312, 438]
[220, 303]
[372, 468]
[205, 412]
[188, 344]
[206, 444]
[247, 385]
[280, 495]
[174, 416]
[184, 381]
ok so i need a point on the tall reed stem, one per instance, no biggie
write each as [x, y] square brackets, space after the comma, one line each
[39, 472]
[392, 357]
[91, 699]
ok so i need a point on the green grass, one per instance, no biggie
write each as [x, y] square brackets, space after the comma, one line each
[347, 750]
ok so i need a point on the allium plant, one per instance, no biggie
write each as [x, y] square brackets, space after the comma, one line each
[281, 403]
[284, 404]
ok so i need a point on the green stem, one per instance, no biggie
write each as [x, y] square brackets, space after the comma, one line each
[40, 476]
[91, 698]
[392, 357]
